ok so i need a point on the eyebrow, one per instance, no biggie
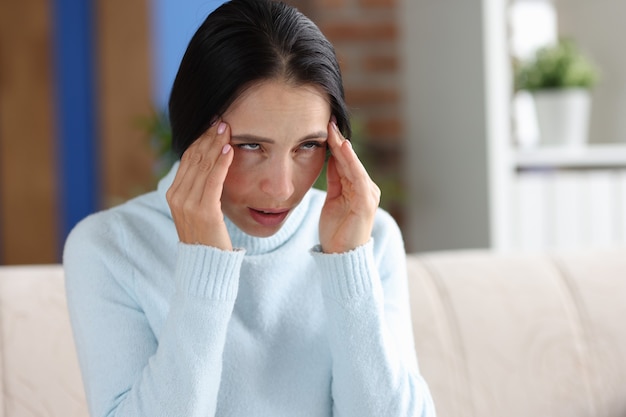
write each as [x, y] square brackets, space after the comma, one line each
[247, 137]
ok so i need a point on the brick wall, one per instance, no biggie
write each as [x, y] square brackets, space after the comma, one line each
[366, 37]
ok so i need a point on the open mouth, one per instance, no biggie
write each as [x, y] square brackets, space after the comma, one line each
[269, 217]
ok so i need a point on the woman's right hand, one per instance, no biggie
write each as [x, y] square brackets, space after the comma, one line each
[195, 195]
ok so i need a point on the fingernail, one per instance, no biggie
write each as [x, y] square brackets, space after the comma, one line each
[214, 121]
[349, 143]
[221, 128]
[226, 149]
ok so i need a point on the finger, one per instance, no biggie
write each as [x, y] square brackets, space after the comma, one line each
[214, 183]
[333, 181]
[189, 158]
[351, 163]
[335, 141]
[208, 152]
[200, 152]
[335, 138]
[348, 163]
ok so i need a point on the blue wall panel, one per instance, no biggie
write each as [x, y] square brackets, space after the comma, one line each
[174, 23]
[76, 110]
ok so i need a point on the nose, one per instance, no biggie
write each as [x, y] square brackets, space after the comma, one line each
[278, 179]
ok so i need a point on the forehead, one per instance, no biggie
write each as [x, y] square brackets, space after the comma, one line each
[278, 95]
[278, 109]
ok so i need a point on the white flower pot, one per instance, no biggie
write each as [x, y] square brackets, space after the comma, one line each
[563, 116]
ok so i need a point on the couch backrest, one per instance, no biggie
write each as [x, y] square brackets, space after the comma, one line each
[38, 364]
[496, 335]
[522, 335]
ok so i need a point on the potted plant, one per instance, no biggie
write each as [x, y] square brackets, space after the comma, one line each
[559, 78]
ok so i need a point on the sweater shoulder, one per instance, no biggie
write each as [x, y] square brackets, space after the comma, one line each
[107, 234]
[386, 231]
[95, 232]
[388, 246]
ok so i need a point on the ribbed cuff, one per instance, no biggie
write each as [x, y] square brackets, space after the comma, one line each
[347, 275]
[208, 272]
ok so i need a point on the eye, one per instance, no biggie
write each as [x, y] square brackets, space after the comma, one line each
[249, 146]
[311, 145]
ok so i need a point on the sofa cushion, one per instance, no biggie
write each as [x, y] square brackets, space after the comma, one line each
[597, 282]
[521, 335]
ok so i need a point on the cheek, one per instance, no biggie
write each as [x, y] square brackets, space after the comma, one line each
[310, 168]
[318, 164]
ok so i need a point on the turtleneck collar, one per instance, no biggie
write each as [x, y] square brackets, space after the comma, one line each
[253, 245]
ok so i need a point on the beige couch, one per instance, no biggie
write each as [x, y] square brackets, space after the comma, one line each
[496, 335]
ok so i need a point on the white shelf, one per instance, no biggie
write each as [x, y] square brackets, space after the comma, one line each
[602, 156]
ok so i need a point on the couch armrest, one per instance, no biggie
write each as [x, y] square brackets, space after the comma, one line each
[39, 366]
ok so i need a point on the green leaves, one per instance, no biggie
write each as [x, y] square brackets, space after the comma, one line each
[556, 67]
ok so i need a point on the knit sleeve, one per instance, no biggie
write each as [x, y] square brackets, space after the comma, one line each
[126, 371]
[375, 371]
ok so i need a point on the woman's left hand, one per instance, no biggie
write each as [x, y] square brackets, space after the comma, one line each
[351, 201]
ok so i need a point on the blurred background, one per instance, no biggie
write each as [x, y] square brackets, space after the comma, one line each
[439, 122]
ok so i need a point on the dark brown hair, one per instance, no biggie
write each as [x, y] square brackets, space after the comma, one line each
[243, 42]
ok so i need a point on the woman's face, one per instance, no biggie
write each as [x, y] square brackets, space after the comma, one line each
[278, 133]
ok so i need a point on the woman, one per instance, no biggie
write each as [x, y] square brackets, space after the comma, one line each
[235, 289]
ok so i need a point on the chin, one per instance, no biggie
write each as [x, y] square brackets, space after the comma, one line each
[262, 231]
[251, 228]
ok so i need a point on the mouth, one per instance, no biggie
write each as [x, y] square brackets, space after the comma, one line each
[269, 217]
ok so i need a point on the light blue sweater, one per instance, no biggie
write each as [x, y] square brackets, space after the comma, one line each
[273, 329]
